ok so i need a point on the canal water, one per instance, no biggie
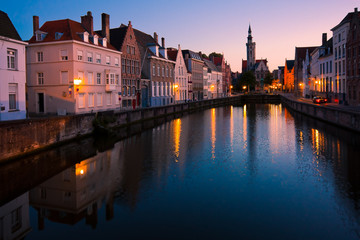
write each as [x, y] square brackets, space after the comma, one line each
[235, 172]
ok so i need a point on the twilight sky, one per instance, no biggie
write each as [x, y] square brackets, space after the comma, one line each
[203, 25]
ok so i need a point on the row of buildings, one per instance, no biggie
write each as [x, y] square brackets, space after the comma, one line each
[331, 70]
[67, 67]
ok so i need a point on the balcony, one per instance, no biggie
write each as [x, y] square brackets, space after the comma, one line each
[110, 87]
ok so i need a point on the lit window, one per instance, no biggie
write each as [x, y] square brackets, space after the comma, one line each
[11, 59]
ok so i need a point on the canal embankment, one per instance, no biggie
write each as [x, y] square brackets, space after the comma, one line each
[340, 117]
[21, 137]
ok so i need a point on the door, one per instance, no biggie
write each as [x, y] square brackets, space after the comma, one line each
[41, 107]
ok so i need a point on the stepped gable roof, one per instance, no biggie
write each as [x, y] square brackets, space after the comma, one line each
[7, 28]
[117, 36]
[290, 64]
[70, 31]
[210, 65]
[172, 54]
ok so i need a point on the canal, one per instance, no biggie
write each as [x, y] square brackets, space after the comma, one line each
[254, 171]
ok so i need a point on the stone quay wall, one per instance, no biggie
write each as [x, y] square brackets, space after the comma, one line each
[339, 117]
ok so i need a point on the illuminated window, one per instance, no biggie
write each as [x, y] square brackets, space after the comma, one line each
[11, 59]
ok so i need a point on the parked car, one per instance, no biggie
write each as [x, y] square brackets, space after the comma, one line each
[318, 99]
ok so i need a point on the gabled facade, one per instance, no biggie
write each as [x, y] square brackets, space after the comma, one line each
[300, 54]
[289, 76]
[260, 70]
[194, 64]
[180, 72]
[157, 68]
[71, 69]
[214, 80]
[353, 61]
[12, 71]
[124, 40]
[225, 69]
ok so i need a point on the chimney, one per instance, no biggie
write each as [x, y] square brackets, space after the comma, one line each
[356, 10]
[35, 23]
[324, 38]
[156, 37]
[130, 24]
[163, 42]
[105, 22]
[87, 23]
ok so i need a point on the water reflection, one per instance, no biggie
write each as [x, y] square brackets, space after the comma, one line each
[208, 175]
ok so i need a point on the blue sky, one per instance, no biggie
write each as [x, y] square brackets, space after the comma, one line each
[221, 26]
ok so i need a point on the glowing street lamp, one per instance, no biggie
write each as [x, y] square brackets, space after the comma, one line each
[77, 81]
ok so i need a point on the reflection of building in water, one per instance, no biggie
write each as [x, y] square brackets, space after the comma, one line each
[14, 218]
[79, 191]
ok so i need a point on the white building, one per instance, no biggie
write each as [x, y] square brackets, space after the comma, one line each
[180, 72]
[71, 69]
[340, 33]
[12, 71]
[215, 80]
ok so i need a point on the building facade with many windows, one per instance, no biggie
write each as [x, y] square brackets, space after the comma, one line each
[71, 69]
[12, 71]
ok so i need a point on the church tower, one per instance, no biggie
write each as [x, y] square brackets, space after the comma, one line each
[250, 50]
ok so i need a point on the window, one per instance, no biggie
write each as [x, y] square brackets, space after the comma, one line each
[330, 66]
[89, 57]
[124, 91]
[158, 70]
[80, 55]
[12, 96]
[107, 60]
[340, 68]
[40, 57]
[58, 35]
[98, 78]
[335, 54]
[81, 75]
[40, 77]
[90, 78]
[335, 68]
[107, 79]
[137, 67]
[128, 67]
[98, 58]
[16, 219]
[11, 59]
[112, 78]
[171, 72]
[167, 71]
[117, 62]
[327, 67]
[132, 67]
[153, 70]
[99, 99]
[339, 51]
[117, 79]
[163, 71]
[123, 65]
[344, 49]
[344, 67]
[91, 99]
[339, 39]
[81, 100]
[64, 55]
[133, 91]
[108, 98]
[64, 77]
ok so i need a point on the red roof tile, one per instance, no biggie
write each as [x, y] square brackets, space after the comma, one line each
[172, 54]
[69, 28]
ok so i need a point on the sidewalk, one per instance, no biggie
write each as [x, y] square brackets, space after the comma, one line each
[329, 105]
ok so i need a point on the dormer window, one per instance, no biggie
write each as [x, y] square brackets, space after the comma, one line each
[104, 42]
[95, 40]
[58, 35]
[40, 35]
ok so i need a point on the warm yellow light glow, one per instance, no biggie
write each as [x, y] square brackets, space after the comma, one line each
[77, 81]
[177, 134]
[81, 171]
[213, 133]
[212, 86]
[244, 87]
[316, 82]
[231, 86]
[300, 84]
[176, 86]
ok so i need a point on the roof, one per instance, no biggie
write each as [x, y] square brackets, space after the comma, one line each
[290, 64]
[300, 52]
[172, 54]
[145, 40]
[244, 63]
[210, 65]
[218, 61]
[192, 54]
[70, 31]
[117, 36]
[7, 29]
[346, 19]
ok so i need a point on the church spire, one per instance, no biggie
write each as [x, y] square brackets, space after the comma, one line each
[249, 29]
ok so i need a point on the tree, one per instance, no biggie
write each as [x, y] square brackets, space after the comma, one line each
[247, 79]
[215, 54]
[204, 56]
[268, 80]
